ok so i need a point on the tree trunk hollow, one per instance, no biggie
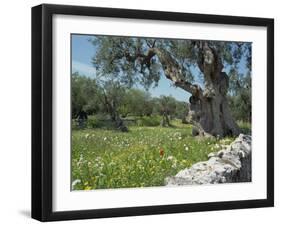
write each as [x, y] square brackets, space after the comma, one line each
[211, 115]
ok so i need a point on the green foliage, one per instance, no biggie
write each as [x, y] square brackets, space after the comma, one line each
[136, 102]
[245, 127]
[85, 94]
[99, 98]
[166, 104]
[95, 121]
[122, 57]
[181, 110]
[149, 121]
[240, 98]
[143, 157]
[109, 60]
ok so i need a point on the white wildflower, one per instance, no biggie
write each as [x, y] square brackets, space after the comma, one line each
[111, 164]
[98, 159]
[186, 148]
[77, 181]
[81, 158]
[170, 158]
[105, 138]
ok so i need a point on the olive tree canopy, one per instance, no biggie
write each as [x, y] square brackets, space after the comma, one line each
[143, 61]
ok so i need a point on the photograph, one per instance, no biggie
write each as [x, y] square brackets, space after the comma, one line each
[149, 112]
[140, 112]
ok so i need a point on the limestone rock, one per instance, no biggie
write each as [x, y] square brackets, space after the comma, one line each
[232, 164]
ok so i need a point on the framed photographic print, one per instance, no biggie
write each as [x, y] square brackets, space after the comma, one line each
[146, 112]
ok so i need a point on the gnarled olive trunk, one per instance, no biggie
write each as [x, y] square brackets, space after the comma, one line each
[209, 110]
[211, 114]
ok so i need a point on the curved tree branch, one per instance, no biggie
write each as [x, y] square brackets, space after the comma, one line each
[173, 72]
[172, 69]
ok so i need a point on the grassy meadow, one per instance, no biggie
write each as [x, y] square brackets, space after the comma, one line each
[143, 157]
[131, 100]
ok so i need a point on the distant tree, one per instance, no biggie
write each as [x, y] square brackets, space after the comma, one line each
[137, 102]
[113, 98]
[84, 94]
[181, 111]
[166, 107]
[93, 96]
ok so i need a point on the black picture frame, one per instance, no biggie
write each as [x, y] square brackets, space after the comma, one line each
[42, 111]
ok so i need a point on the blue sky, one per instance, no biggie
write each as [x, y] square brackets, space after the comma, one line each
[83, 51]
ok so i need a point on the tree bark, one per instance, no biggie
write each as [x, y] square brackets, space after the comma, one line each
[209, 110]
[115, 117]
[165, 120]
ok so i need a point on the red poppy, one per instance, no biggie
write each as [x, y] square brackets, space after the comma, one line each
[161, 152]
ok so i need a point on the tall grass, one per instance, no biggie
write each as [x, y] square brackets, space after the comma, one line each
[143, 157]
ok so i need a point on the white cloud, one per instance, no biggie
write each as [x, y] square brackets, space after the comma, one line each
[83, 69]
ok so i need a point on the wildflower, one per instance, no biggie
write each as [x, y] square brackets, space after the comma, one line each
[77, 181]
[105, 138]
[186, 148]
[184, 161]
[170, 157]
[88, 188]
[111, 164]
[87, 135]
[80, 161]
[177, 134]
[98, 159]
[161, 152]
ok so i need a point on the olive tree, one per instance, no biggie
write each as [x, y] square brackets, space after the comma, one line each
[144, 60]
